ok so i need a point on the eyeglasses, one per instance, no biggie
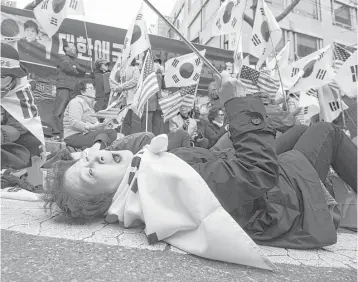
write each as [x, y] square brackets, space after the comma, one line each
[221, 115]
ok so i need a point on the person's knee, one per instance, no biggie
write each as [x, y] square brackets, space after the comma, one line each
[324, 126]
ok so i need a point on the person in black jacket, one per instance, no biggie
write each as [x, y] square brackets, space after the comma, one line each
[29, 47]
[69, 71]
[101, 80]
[216, 127]
[279, 200]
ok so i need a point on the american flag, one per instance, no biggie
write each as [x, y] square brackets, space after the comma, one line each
[183, 97]
[340, 55]
[149, 83]
[256, 81]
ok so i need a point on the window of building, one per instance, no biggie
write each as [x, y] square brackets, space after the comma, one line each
[190, 4]
[195, 27]
[276, 3]
[307, 8]
[342, 14]
[210, 8]
[305, 44]
[179, 18]
[282, 42]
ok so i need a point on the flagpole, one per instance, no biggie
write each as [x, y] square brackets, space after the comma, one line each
[279, 73]
[343, 114]
[84, 22]
[146, 117]
[86, 32]
[188, 43]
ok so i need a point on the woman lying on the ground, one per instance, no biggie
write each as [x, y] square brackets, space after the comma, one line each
[277, 200]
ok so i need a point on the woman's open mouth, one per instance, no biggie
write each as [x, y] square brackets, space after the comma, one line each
[117, 158]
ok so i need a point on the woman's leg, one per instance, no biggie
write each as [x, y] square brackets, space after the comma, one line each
[288, 140]
[325, 145]
[86, 140]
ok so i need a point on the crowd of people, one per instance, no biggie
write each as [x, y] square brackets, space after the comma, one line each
[265, 169]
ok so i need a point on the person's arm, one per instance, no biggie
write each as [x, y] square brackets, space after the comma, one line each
[66, 64]
[254, 169]
[210, 135]
[281, 120]
[192, 127]
[81, 70]
[131, 83]
[173, 125]
[75, 112]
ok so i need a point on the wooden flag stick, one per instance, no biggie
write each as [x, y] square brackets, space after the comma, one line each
[188, 43]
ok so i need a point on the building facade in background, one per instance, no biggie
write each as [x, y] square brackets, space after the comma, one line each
[311, 25]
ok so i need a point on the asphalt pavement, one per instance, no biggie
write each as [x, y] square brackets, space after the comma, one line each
[40, 246]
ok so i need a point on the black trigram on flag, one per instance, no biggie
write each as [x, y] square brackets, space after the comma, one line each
[256, 40]
[28, 107]
[175, 78]
[54, 21]
[320, 56]
[73, 4]
[44, 5]
[294, 71]
[233, 23]
[196, 77]
[175, 63]
[334, 106]
[305, 110]
[262, 11]
[321, 74]
[197, 61]
[354, 71]
[139, 17]
[218, 24]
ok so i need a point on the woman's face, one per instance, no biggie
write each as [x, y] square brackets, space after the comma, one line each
[30, 33]
[99, 172]
[220, 116]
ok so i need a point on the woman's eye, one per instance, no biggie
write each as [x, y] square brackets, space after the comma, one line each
[90, 172]
[102, 159]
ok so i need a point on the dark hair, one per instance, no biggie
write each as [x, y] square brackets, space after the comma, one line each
[213, 113]
[65, 45]
[30, 23]
[56, 194]
[81, 86]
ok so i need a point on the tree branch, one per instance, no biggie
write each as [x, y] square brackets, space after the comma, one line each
[280, 17]
[287, 10]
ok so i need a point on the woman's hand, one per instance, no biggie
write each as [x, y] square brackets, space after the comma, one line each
[229, 87]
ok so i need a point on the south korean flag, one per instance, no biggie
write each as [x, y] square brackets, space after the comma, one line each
[184, 70]
[229, 17]
[316, 72]
[51, 13]
[266, 33]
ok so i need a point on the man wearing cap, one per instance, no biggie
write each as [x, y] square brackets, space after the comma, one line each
[101, 79]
